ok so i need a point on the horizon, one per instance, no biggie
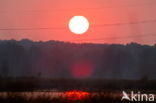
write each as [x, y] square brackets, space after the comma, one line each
[37, 41]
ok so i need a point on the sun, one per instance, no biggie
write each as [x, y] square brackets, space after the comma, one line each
[78, 24]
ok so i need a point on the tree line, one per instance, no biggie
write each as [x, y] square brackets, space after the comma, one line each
[26, 58]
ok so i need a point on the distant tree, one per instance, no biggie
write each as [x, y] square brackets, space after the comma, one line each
[5, 69]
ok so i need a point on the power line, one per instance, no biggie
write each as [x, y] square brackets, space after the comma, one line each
[101, 25]
[119, 37]
[40, 28]
[136, 22]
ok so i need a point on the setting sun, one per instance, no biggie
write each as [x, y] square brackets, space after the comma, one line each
[78, 24]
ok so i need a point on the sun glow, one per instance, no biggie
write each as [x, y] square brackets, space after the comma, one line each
[78, 24]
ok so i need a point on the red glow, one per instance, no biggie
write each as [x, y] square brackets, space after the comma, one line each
[81, 69]
[76, 95]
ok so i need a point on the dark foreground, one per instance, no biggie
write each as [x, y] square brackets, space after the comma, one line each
[96, 98]
[26, 90]
[93, 98]
[92, 85]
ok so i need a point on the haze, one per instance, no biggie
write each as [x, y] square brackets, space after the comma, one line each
[47, 20]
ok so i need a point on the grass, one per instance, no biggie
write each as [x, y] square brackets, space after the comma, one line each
[12, 85]
[93, 98]
[22, 98]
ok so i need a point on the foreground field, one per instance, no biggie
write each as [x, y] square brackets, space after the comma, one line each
[63, 97]
[44, 90]
[94, 85]
[53, 98]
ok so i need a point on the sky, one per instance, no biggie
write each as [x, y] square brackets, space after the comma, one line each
[111, 21]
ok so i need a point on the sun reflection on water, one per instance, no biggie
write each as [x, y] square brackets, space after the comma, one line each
[76, 95]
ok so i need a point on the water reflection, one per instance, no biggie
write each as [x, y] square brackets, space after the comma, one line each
[76, 95]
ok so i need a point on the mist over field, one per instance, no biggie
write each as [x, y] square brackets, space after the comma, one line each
[55, 59]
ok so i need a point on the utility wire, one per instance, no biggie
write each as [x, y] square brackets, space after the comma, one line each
[118, 24]
[119, 37]
[101, 25]
[42, 28]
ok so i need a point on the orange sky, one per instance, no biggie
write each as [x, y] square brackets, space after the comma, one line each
[55, 14]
